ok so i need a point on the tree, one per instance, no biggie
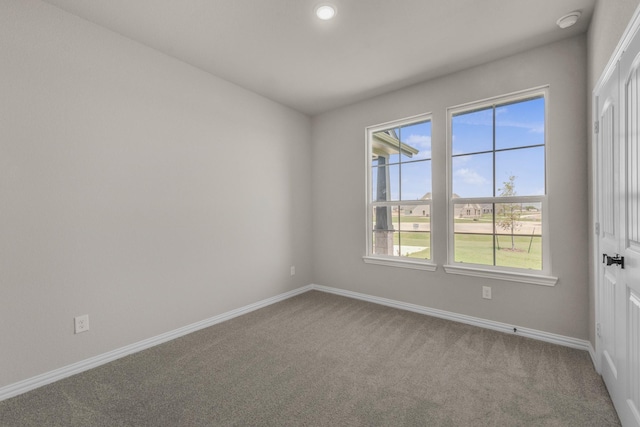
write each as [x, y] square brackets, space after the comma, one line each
[510, 215]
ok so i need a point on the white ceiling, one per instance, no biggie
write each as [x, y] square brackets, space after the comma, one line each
[279, 49]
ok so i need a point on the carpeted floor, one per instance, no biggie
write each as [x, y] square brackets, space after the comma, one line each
[319, 359]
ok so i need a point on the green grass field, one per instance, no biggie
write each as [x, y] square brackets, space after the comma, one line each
[421, 219]
[475, 248]
[478, 249]
[423, 254]
[414, 238]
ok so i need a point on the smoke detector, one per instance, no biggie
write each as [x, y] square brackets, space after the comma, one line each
[568, 20]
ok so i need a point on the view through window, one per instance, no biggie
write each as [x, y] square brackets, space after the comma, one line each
[400, 181]
[497, 178]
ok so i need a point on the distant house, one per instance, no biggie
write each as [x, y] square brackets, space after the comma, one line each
[467, 210]
[471, 210]
[419, 210]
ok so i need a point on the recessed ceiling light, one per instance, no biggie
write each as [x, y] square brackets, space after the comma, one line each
[568, 20]
[326, 11]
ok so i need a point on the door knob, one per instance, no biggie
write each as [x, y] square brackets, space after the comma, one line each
[613, 260]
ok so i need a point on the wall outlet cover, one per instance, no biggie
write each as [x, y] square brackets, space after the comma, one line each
[81, 323]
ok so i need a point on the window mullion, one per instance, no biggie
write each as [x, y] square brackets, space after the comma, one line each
[494, 186]
[399, 234]
[399, 195]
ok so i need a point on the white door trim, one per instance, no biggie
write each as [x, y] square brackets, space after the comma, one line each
[632, 28]
[625, 40]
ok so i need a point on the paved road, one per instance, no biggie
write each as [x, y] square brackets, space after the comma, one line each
[526, 228]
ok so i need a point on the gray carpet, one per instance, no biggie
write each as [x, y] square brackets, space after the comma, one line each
[323, 360]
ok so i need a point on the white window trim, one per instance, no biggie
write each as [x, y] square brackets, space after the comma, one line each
[512, 276]
[391, 261]
[542, 277]
[400, 262]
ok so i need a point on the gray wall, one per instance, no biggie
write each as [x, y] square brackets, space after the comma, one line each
[339, 196]
[610, 19]
[136, 189]
[151, 195]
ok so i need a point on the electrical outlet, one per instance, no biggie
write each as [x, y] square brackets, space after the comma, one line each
[486, 292]
[81, 323]
[293, 270]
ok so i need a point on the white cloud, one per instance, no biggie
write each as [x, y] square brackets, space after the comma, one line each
[532, 127]
[475, 118]
[537, 128]
[469, 176]
[485, 118]
[419, 140]
[422, 143]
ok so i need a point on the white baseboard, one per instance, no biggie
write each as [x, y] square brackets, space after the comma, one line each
[49, 377]
[594, 358]
[84, 365]
[475, 321]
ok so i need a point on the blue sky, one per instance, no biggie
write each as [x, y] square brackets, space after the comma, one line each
[416, 170]
[519, 127]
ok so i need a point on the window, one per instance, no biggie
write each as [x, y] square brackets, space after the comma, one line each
[497, 191]
[399, 193]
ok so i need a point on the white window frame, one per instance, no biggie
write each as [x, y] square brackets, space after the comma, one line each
[393, 260]
[537, 277]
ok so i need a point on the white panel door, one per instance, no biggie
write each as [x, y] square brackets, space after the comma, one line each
[630, 186]
[618, 186]
[610, 293]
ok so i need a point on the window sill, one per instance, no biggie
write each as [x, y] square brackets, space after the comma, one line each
[400, 263]
[533, 279]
